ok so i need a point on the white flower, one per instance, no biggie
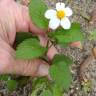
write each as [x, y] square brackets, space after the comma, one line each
[59, 17]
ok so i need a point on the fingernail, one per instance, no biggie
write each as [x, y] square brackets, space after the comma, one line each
[43, 70]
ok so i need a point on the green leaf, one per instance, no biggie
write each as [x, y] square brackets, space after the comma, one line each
[37, 9]
[4, 77]
[29, 49]
[47, 93]
[43, 87]
[39, 81]
[60, 73]
[21, 36]
[39, 88]
[57, 91]
[92, 35]
[62, 58]
[11, 85]
[67, 36]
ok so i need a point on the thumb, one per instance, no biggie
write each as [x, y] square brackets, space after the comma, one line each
[43, 70]
[10, 65]
[34, 67]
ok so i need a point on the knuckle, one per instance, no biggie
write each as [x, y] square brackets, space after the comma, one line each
[5, 61]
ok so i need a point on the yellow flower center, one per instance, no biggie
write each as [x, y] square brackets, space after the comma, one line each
[60, 14]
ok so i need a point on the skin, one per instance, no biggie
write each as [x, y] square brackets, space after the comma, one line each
[14, 18]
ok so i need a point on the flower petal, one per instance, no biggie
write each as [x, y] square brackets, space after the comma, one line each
[49, 14]
[65, 23]
[68, 11]
[60, 6]
[54, 23]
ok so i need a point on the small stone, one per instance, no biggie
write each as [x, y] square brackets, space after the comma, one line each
[93, 17]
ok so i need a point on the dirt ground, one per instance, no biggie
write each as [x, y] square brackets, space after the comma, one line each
[82, 9]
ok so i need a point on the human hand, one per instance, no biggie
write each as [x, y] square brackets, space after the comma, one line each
[14, 18]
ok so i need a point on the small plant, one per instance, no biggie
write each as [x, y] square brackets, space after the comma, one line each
[62, 33]
[92, 35]
[11, 84]
[86, 85]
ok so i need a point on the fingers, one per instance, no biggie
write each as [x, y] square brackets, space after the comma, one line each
[36, 30]
[52, 52]
[32, 27]
[43, 69]
[24, 22]
[6, 56]
[35, 67]
[43, 40]
[10, 65]
[25, 2]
